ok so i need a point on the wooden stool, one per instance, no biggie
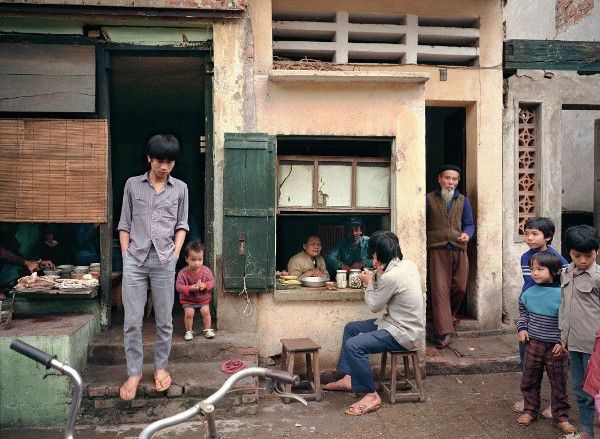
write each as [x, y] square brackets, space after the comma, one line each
[293, 346]
[411, 390]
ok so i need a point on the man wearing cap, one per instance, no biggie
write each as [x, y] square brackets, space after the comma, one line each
[351, 250]
[450, 226]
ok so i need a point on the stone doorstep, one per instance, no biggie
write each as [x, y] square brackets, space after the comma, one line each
[108, 349]
[472, 365]
[189, 379]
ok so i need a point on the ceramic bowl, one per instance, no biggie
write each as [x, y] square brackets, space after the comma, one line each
[313, 281]
[65, 269]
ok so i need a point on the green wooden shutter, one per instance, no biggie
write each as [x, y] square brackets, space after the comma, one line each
[249, 211]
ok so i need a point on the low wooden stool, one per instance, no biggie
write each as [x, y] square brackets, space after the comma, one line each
[411, 390]
[293, 346]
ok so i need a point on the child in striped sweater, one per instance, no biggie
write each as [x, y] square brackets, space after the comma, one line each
[538, 329]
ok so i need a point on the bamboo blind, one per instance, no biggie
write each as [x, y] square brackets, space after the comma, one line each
[53, 170]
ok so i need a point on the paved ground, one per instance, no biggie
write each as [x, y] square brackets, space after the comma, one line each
[457, 407]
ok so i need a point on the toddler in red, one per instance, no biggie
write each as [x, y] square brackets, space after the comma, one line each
[195, 283]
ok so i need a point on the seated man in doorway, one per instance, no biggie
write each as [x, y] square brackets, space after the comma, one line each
[351, 250]
[449, 228]
[309, 261]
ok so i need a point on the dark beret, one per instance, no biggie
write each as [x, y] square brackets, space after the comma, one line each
[445, 168]
[354, 221]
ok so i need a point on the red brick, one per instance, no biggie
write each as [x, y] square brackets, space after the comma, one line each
[95, 391]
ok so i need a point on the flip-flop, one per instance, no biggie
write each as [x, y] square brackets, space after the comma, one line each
[358, 409]
[127, 393]
[519, 406]
[525, 419]
[160, 382]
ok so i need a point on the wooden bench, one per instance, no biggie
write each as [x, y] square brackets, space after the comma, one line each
[412, 384]
[293, 346]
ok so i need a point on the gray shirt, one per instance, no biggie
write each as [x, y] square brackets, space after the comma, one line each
[152, 219]
[399, 288]
[579, 314]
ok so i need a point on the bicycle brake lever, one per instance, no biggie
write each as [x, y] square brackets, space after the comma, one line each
[290, 395]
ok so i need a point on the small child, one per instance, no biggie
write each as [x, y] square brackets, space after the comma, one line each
[539, 232]
[194, 285]
[579, 315]
[538, 329]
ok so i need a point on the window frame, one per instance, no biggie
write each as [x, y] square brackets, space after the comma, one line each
[354, 161]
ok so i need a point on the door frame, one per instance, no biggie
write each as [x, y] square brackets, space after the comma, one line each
[104, 52]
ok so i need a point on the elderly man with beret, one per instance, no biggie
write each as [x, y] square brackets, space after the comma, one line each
[450, 226]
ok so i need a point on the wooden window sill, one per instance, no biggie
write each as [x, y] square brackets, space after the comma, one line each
[319, 295]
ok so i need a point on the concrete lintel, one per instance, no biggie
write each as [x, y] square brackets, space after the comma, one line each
[347, 76]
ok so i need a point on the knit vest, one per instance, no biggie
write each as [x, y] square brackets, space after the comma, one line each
[444, 228]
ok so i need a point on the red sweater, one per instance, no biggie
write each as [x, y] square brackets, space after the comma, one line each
[186, 278]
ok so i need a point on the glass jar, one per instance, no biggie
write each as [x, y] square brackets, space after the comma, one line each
[340, 278]
[354, 279]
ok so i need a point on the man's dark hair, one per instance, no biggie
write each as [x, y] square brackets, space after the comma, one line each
[163, 147]
[543, 224]
[550, 261]
[582, 238]
[312, 235]
[195, 246]
[385, 245]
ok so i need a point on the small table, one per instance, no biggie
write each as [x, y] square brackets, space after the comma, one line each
[293, 346]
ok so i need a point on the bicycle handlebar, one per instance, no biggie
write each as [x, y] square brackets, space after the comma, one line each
[33, 353]
[282, 376]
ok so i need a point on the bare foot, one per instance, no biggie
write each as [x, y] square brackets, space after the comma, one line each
[367, 404]
[341, 385]
[547, 413]
[129, 388]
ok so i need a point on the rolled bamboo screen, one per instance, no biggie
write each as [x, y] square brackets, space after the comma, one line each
[53, 170]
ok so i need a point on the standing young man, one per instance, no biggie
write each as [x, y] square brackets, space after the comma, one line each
[450, 226]
[152, 229]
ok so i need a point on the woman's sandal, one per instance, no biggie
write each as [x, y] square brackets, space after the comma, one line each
[565, 427]
[164, 382]
[359, 409]
[525, 419]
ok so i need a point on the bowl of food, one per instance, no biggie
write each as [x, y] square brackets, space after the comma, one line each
[52, 272]
[313, 281]
[65, 269]
[81, 269]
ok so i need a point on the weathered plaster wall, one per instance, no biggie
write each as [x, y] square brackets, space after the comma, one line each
[537, 20]
[530, 86]
[395, 110]
[578, 154]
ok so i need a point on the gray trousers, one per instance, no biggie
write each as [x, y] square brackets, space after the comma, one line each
[135, 291]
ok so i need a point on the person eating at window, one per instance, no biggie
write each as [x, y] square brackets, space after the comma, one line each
[351, 250]
[309, 261]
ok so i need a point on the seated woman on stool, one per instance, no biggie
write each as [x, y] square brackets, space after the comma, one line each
[397, 286]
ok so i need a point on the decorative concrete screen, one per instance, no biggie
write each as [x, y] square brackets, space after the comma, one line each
[343, 37]
[527, 165]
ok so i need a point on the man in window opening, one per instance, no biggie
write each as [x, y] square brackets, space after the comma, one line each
[449, 228]
[350, 251]
[152, 229]
[309, 261]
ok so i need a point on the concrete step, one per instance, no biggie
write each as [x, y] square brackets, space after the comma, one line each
[475, 355]
[108, 348]
[192, 382]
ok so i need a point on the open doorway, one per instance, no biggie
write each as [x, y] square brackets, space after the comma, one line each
[445, 143]
[154, 93]
[580, 144]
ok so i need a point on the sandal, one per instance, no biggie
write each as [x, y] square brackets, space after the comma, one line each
[359, 409]
[335, 387]
[525, 419]
[164, 382]
[565, 427]
[519, 406]
[128, 392]
[546, 413]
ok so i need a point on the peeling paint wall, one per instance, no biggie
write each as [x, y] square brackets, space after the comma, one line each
[530, 86]
[539, 20]
[369, 109]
